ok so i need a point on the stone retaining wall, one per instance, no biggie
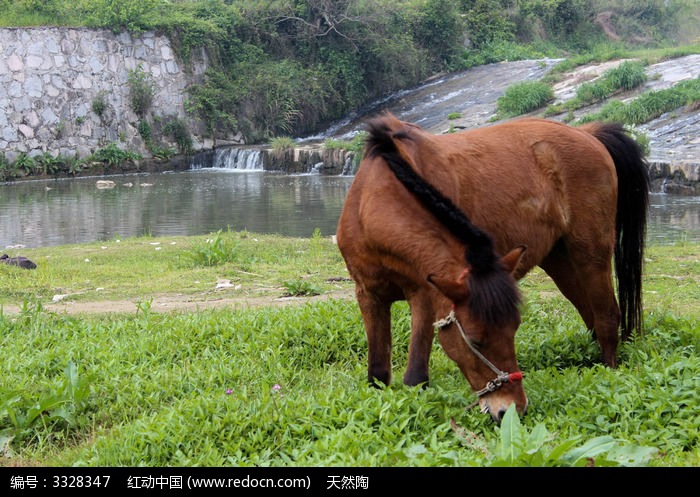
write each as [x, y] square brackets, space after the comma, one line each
[50, 77]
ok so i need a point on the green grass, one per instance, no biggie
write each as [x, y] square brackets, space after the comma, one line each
[281, 143]
[649, 105]
[627, 76]
[522, 98]
[286, 386]
[147, 267]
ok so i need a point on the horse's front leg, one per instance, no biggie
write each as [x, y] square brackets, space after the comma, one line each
[420, 346]
[376, 314]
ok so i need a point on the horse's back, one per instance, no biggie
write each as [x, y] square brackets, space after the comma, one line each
[531, 146]
[526, 181]
[530, 181]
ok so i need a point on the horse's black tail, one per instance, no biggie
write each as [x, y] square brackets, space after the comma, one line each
[631, 221]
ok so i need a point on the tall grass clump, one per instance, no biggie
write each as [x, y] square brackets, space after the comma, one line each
[57, 406]
[524, 97]
[220, 249]
[113, 155]
[627, 76]
[281, 143]
[517, 446]
[355, 145]
[601, 52]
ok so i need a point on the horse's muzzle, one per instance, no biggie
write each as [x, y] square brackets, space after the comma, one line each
[497, 405]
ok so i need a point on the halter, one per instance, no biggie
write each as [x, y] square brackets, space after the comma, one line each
[501, 376]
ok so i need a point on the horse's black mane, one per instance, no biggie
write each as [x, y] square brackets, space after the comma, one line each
[480, 254]
[494, 295]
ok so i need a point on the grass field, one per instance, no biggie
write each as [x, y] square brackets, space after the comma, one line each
[251, 382]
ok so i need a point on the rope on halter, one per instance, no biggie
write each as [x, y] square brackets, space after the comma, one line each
[501, 378]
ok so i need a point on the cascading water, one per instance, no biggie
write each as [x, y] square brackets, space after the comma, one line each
[243, 159]
[234, 158]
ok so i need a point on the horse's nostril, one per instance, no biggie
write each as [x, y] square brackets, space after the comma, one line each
[499, 415]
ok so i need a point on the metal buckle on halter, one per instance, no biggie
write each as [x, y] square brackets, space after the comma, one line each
[501, 378]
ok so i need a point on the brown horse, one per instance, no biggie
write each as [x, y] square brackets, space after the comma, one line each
[449, 223]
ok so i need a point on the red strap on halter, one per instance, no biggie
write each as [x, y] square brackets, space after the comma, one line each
[517, 376]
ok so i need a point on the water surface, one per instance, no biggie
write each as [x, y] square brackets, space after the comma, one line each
[60, 212]
[67, 211]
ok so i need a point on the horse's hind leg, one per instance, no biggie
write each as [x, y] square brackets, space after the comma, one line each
[559, 268]
[589, 287]
[606, 312]
[376, 314]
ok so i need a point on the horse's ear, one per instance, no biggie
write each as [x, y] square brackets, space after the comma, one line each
[510, 261]
[454, 289]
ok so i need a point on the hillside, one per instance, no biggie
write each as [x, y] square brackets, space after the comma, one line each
[290, 68]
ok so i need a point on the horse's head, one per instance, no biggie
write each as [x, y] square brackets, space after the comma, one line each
[482, 341]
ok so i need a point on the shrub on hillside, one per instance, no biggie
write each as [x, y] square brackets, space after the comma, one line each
[524, 97]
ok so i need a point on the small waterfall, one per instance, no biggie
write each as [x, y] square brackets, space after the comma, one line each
[301, 160]
[234, 158]
[240, 159]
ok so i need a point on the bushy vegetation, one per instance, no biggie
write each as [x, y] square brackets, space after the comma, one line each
[214, 251]
[46, 164]
[99, 104]
[177, 129]
[282, 143]
[288, 68]
[141, 91]
[523, 97]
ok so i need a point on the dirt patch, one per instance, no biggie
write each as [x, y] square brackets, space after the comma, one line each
[604, 20]
[179, 303]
